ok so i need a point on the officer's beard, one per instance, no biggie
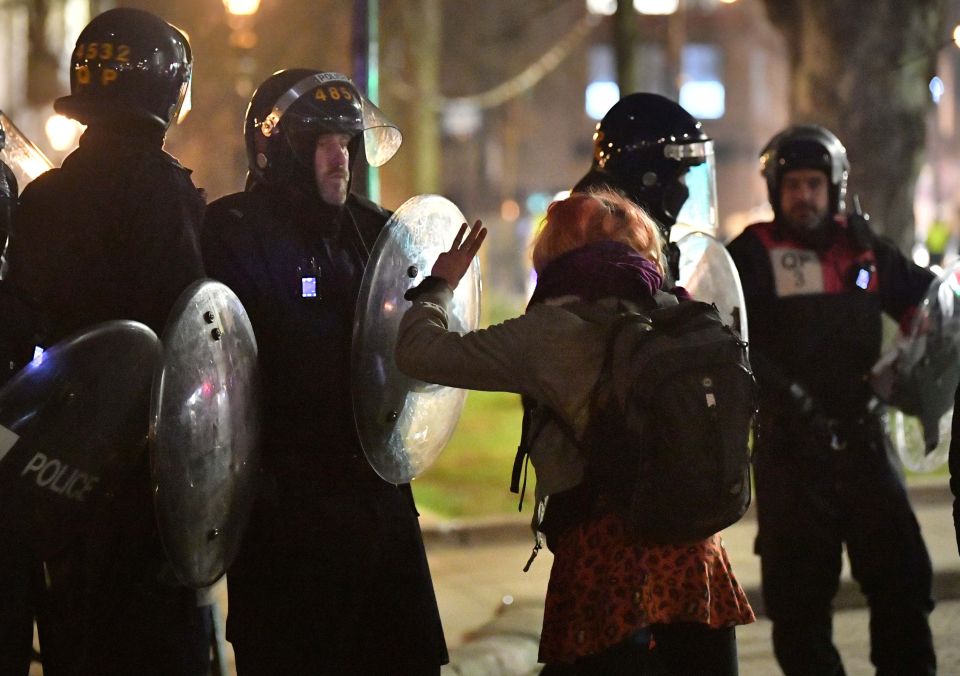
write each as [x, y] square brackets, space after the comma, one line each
[811, 228]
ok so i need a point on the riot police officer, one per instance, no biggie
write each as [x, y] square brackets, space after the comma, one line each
[816, 282]
[332, 576]
[658, 155]
[112, 235]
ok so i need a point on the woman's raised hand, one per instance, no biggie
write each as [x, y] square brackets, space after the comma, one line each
[452, 265]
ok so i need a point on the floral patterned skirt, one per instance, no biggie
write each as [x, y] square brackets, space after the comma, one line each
[604, 586]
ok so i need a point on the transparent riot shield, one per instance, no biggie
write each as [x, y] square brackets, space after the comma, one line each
[699, 211]
[919, 377]
[404, 423]
[21, 161]
[204, 432]
[21, 154]
[73, 425]
[708, 272]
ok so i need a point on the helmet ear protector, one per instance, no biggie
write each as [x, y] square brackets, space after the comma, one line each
[128, 65]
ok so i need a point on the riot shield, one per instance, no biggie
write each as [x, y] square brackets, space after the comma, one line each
[404, 423]
[73, 424]
[920, 376]
[708, 272]
[21, 161]
[19, 153]
[204, 431]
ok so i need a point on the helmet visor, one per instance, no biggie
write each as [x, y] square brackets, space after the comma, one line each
[381, 137]
[699, 212]
[184, 102]
[329, 103]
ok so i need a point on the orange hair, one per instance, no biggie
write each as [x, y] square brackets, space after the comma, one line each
[592, 216]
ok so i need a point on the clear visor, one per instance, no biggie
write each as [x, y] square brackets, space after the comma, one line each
[23, 157]
[690, 153]
[184, 102]
[381, 137]
[699, 212]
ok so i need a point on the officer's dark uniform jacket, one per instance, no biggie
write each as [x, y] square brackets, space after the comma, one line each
[325, 527]
[815, 320]
[112, 235]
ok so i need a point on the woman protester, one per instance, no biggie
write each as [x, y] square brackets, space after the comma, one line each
[614, 605]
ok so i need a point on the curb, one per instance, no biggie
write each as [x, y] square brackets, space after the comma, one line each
[513, 528]
[507, 644]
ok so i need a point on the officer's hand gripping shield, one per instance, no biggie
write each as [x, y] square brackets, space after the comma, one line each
[919, 378]
[205, 432]
[73, 426]
[404, 423]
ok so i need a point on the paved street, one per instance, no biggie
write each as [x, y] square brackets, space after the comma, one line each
[492, 610]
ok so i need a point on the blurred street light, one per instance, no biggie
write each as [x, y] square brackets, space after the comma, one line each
[656, 6]
[956, 36]
[62, 132]
[242, 7]
[602, 7]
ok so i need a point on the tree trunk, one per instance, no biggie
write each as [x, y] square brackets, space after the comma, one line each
[861, 68]
[423, 19]
[625, 36]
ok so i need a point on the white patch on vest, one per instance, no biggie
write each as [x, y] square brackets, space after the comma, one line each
[796, 272]
[7, 439]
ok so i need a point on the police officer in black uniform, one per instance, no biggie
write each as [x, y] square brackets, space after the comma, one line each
[332, 576]
[644, 147]
[816, 282]
[112, 235]
[16, 564]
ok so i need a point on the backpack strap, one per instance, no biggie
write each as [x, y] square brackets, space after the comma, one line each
[528, 436]
[522, 459]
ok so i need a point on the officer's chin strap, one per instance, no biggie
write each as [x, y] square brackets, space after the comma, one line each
[356, 230]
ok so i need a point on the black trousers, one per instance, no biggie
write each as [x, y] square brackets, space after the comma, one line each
[360, 602]
[812, 500]
[22, 580]
[682, 649]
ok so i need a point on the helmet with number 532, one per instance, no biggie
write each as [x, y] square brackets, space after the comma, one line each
[128, 65]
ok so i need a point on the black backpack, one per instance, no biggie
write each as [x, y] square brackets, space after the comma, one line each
[667, 443]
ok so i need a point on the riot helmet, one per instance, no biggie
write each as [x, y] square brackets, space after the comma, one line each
[128, 65]
[806, 146]
[292, 108]
[658, 154]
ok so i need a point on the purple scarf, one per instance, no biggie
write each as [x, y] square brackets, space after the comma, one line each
[599, 270]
